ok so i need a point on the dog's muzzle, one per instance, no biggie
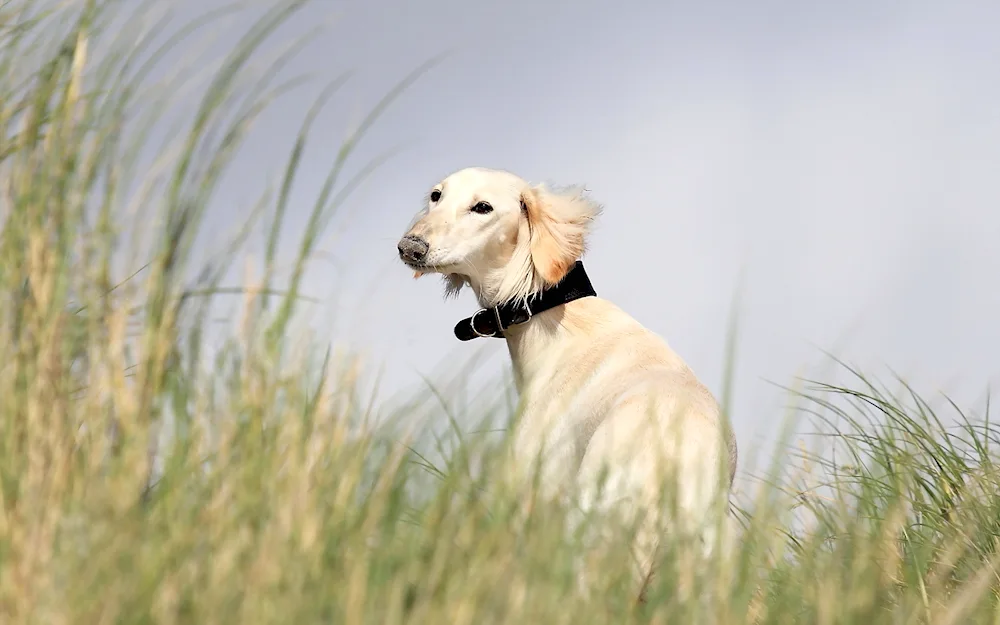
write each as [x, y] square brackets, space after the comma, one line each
[413, 249]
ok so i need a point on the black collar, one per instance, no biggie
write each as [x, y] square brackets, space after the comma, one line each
[491, 322]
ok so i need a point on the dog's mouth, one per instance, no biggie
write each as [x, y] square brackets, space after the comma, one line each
[420, 269]
[417, 265]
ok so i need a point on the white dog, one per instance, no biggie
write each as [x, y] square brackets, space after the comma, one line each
[598, 390]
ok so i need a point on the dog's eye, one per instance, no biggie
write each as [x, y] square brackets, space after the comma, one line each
[482, 208]
[435, 195]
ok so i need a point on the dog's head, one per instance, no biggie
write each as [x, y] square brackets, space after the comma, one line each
[493, 231]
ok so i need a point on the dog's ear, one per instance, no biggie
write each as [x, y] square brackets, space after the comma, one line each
[558, 224]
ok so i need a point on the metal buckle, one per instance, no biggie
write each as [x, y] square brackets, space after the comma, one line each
[472, 324]
[496, 315]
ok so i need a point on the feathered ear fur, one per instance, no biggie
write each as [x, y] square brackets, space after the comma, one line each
[558, 223]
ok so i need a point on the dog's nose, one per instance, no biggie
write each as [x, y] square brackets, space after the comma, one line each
[412, 249]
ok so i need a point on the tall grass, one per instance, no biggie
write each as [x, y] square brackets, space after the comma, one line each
[154, 468]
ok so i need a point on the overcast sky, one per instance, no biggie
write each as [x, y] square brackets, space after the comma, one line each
[844, 158]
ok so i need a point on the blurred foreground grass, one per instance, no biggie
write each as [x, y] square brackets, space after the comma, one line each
[153, 469]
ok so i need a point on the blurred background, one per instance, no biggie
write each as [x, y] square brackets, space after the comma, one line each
[833, 164]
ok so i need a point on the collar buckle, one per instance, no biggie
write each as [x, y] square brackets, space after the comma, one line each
[472, 323]
[496, 315]
[526, 307]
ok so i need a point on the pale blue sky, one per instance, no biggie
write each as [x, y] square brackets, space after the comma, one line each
[844, 156]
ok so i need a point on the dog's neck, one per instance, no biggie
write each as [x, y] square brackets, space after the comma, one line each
[490, 288]
[498, 321]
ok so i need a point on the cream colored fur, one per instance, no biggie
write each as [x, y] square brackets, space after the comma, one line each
[597, 389]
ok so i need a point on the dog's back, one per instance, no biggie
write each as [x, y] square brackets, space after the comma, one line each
[600, 392]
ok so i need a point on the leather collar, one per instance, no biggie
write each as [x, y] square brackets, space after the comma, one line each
[491, 322]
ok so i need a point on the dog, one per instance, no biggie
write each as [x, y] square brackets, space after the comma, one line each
[602, 398]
